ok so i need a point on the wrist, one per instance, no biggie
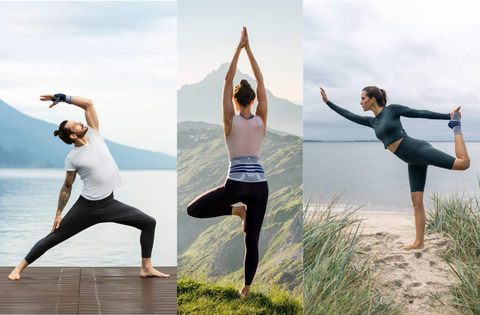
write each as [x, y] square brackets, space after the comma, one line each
[59, 97]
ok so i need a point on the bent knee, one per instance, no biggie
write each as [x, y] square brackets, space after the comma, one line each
[191, 210]
[151, 222]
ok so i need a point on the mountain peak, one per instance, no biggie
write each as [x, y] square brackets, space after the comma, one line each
[201, 101]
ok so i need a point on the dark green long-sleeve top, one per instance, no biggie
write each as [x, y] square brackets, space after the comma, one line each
[387, 125]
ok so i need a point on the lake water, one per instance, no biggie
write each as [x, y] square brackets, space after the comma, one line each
[28, 202]
[371, 176]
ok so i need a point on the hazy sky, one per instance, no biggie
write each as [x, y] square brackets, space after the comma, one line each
[425, 55]
[121, 55]
[209, 32]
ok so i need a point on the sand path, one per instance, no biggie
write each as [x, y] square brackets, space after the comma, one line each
[413, 277]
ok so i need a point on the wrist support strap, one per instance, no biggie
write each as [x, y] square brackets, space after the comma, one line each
[59, 97]
[455, 124]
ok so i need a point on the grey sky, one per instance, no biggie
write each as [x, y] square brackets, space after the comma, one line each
[425, 55]
[209, 32]
[122, 55]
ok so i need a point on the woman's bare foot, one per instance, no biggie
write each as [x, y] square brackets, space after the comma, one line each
[152, 272]
[245, 292]
[240, 211]
[15, 274]
[413, 246]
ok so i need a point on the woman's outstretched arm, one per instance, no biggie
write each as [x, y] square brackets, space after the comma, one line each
[262, 106]
[228, 109]
[361, 120]
[418, 113]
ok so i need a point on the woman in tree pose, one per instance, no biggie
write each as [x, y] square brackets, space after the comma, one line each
[418, 154]
[246, 181]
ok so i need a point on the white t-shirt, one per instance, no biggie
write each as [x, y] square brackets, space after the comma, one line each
[96, 167]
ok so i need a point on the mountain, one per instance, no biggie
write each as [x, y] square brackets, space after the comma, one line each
[29, 142]
[218, 243]
[202, 101]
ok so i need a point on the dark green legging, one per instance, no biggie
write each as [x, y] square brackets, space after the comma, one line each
[419, 155]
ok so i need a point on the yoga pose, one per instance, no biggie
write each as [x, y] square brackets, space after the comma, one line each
[91, 159]
[246, 181]
[418, 154]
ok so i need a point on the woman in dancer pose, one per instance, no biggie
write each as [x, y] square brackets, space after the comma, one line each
[246, 181]
[418, 154]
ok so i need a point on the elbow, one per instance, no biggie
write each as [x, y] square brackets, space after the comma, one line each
[89, 103]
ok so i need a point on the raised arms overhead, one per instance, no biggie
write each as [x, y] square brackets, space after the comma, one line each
[262, 106]
[227, 102]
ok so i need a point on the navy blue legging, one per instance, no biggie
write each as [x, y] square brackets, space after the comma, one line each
[86, 213]
[219, 201]
[419, 155]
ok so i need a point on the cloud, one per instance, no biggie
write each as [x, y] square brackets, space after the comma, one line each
[421, 54]
[121, 55]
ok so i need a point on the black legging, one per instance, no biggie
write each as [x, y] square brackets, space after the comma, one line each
[86, 213]
[419, 155]
[219, 201]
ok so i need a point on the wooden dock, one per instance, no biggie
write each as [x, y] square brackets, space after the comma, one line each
[87, 290]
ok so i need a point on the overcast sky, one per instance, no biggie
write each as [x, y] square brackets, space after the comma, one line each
[425, 55]
[209, 32]
[121, 55]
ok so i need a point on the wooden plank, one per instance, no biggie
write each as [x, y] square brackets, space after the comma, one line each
[90, 290]
[41, 290]
[123, 291]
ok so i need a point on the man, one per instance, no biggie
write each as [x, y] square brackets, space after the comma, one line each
[91, 159]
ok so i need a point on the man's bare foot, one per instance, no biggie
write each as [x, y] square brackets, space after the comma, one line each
[152, 272]
[241, 211]
[413, 246]
[14, 275]
[245, 292]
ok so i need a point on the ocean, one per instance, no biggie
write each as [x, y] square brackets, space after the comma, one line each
[375, 179]
[28, 202]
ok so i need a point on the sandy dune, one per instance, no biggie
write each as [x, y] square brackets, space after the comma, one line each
[414, 276]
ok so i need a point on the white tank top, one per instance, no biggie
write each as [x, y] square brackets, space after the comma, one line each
[246, 137]
[96, 167]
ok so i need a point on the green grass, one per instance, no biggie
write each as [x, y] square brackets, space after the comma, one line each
[458, 217]
[333, 282]
[196, 297]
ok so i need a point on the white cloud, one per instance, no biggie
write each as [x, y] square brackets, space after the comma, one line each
[425, 55]
[101, 51]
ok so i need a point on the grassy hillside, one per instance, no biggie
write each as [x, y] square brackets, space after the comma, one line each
[195, 297]
[218, 243]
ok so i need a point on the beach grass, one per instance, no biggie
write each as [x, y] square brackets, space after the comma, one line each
[334, 283]
[457, 216]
